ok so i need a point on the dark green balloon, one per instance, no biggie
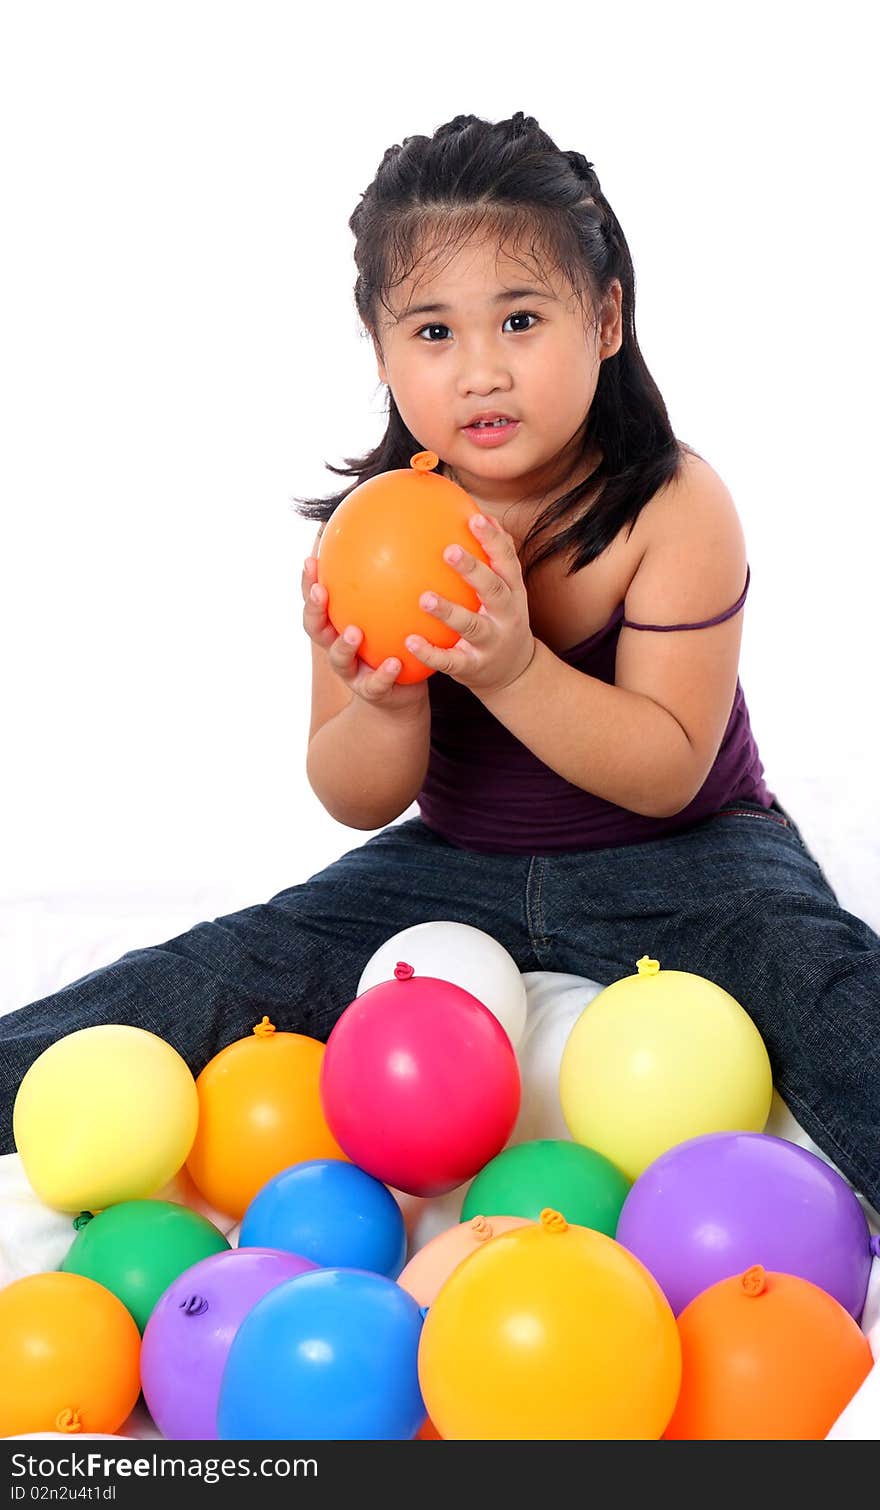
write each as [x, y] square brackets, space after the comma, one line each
[584, 1186]
[138, 1248]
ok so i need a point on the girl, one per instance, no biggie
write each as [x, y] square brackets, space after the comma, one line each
[588, 785]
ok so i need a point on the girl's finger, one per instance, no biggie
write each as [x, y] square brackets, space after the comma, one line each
[432, 655]
[488, 582]
[499, 547]
[382, 677]
[466, 623]
[343, 651]
[313, 594]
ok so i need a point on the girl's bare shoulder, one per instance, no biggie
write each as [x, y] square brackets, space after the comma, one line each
[695, 502]
[691, 546]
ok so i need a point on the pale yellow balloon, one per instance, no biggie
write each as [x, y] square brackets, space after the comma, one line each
[106, 1114]
[657, 1058]
[429, 1269]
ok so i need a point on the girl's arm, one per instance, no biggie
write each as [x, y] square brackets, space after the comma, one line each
[365, 762]
[648, 742]
[369, 738]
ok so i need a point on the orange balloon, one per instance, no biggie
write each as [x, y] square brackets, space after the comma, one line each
[69, 1357]
[430, 1268]
[766, 1356]
[428, 1432]
[259, 1112]
[383, 547]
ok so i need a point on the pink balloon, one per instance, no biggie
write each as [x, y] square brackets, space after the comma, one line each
[420, 1083]
[429, 1269]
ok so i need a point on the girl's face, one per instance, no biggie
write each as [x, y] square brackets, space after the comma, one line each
[468, 338]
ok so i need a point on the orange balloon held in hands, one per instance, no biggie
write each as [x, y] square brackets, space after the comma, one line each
[259, 1112]
[383, 547]
[766, 1357]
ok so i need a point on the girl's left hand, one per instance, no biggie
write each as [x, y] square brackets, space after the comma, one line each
[497, 644]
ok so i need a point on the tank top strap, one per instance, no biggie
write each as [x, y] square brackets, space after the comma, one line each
[706, 624]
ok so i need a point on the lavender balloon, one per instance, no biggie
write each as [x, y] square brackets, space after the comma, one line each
[715, 1205]
[190, 1332]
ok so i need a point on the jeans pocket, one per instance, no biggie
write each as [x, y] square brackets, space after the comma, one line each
[778, 815]
[754, 810]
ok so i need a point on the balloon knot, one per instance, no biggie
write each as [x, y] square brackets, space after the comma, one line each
[424, 461]
[754, 1281]
[82, 1220]
[553, 1221]
[403, 971]
[68, 1420]
[875, 1245]
[193, 1305]
[423, 1311]
[481, 1228]
[647, 966]
[264, 1029]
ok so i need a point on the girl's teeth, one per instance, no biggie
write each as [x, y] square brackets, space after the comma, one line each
[489, 424]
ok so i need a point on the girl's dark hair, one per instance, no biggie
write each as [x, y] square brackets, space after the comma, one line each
[510, 180]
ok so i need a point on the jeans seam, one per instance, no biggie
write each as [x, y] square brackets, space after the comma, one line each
[534, 916]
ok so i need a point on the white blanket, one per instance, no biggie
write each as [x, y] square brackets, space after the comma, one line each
[34, 1238]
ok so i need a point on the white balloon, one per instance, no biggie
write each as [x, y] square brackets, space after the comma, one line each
[467, 957]
[554, 1004]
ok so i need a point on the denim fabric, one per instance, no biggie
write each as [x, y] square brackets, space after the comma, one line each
[738, 898]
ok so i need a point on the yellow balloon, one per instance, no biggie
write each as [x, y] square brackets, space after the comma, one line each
[550, 1332]
[106, 1114]
[657, 1058]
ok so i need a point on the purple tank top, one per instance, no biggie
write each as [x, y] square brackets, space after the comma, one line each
[485, 790]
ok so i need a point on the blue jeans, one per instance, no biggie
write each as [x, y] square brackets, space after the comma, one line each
[737, 898]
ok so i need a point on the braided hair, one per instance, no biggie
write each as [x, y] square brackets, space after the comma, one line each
[509, 179]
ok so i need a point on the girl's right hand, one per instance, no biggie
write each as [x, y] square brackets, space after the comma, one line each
[377, 687]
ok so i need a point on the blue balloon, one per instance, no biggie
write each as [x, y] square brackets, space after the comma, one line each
[330, 1354]
[331, 1212]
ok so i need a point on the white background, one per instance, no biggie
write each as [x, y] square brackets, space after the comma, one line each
[181, 355]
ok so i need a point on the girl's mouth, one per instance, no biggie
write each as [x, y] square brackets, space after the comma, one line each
[491, 435]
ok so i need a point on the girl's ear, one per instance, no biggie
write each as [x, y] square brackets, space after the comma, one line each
[612, 324]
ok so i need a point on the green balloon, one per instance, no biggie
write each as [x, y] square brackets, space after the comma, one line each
[138, 1248]
[584, 1186]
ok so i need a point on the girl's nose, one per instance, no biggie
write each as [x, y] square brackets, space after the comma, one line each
[482, 377]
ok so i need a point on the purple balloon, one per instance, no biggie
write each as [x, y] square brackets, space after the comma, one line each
[715, 1205]
[190, 1332]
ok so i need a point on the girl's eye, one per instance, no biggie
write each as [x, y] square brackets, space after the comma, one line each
[523, 314]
